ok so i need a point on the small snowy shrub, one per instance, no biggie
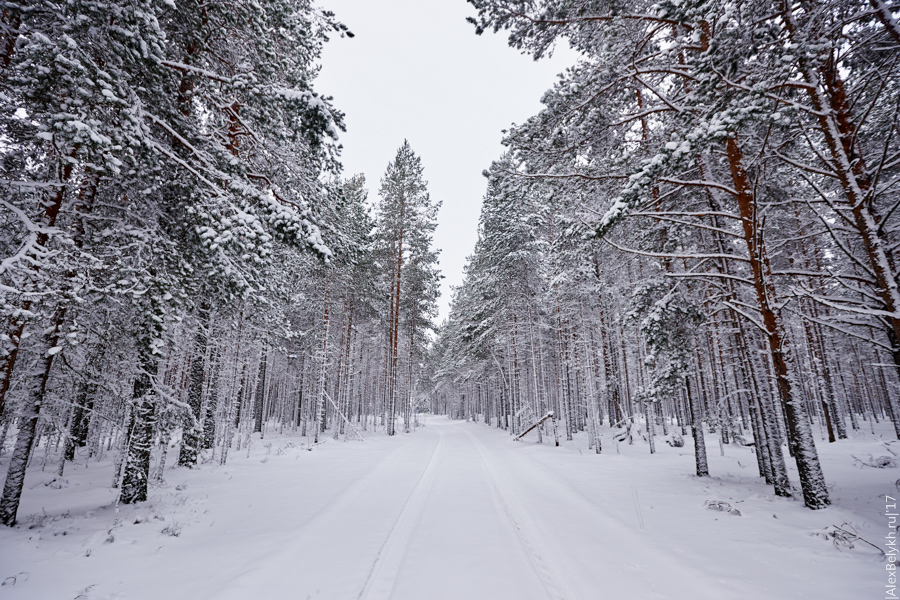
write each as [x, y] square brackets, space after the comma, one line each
[882, 462]
[676, 441]
[844, 537]
[721, 506]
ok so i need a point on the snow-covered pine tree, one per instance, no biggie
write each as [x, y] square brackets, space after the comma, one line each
[405, 220]
[189, 138]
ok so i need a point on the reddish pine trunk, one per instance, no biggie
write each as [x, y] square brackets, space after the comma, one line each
[16, 328]
[15, 476]
[812, 482]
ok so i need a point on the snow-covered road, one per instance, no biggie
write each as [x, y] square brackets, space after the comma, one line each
[429, 520]
[454, 511]
[459, 512]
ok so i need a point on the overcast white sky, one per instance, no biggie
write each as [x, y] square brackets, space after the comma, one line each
[416, 70]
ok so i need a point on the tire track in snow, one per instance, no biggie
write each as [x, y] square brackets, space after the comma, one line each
[380, 581]
[530, 538]
[631, 545]
[299, 536]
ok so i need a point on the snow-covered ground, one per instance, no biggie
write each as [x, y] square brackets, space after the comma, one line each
[454, 511]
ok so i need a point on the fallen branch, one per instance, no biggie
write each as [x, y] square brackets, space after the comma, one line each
[349, 424]
[549, 415]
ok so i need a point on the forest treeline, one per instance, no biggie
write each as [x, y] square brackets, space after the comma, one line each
[182, 264]
[698, 231]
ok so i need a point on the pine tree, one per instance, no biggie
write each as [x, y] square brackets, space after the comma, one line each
[406, 219]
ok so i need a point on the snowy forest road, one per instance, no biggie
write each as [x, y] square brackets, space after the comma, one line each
[454, 511]
[460, 513]
[442, 524]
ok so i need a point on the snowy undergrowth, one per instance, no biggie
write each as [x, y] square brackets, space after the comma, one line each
[733, 525]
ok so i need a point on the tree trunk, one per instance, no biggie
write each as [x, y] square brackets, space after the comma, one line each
[323, 368]
[9, 34]
[394, 337]
[15, 476]
[191, 441]
[261, 388]
[697, 432]
[139, 445]
[812, 482]
[52, 204]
